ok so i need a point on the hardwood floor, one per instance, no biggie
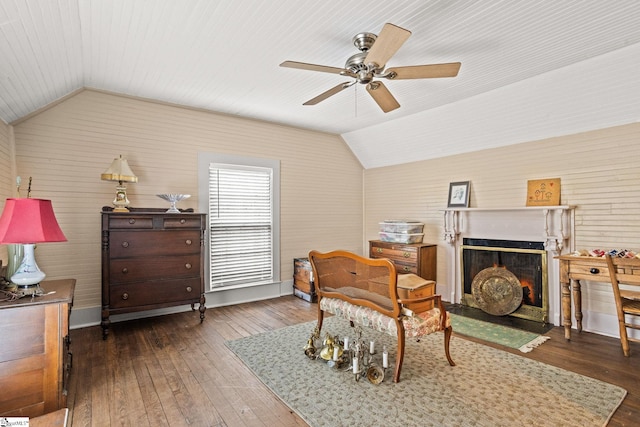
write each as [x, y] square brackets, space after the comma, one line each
[173, 371]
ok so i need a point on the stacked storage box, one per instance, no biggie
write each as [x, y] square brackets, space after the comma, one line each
[401, 231]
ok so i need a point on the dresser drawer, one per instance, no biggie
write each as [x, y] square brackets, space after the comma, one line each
[153, 243]
[589, 271]
[417, 258]
[394, 253]
[153, 293]
[173, 222]
[403, 268]
[127, 270]
[129, 222]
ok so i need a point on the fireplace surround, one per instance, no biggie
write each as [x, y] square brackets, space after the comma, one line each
[524, 260]
[548, 231]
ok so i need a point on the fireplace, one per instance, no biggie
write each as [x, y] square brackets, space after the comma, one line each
[520, 263]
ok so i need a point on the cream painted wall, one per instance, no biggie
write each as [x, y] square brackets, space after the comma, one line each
[6, 174]
[599, 172]
[66, 147]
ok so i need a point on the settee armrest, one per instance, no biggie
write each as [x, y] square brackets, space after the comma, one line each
[437, 302]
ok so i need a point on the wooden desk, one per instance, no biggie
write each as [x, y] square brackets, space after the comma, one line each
[573, 269]
[35, 358]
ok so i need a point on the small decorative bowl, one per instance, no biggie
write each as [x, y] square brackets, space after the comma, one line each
[173, 199]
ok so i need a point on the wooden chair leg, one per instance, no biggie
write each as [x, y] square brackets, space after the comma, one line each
[400, 355]
[624, 340]
[320, 316]
[447, 338]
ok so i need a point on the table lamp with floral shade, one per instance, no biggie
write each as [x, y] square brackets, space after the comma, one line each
[120, 172]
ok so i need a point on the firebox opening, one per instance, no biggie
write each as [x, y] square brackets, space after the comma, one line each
[526, 260]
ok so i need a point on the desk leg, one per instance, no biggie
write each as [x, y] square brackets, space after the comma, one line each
[577, 303]
[566, 309]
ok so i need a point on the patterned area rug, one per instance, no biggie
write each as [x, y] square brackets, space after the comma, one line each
[488, 387]
[509, 337]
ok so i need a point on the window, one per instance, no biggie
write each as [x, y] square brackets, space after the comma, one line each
[242, 200]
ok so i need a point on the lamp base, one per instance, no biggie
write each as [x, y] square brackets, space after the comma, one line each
[28, 274]
[30, 290]
[121, 201]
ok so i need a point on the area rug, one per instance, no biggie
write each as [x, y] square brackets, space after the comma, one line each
[488, 387]
[510, 337]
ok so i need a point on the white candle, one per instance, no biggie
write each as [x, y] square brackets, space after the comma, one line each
[346, 343]
[385, 357]
[335, 353]
[355, 365]
[372, 347]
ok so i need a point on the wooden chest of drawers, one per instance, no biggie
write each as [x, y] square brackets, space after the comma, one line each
[151, 260]
[35, 358]
[416, 258]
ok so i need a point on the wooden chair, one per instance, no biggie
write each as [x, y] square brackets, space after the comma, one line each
[627, 302]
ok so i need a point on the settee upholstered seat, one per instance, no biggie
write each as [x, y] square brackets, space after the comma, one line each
[415, 324]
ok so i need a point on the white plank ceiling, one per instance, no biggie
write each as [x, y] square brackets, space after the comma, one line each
[530, 68]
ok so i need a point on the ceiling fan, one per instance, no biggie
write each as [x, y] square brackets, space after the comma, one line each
[369, 64]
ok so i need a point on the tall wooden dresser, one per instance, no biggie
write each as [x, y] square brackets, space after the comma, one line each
[35, 358]
[416, 258]
[151, 259]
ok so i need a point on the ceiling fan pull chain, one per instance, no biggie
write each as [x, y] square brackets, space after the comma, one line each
[355, 101]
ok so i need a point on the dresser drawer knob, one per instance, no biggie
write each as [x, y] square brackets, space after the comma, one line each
[405, 268]
[182, 221]
[132, 221]
[594, 270]
[125, 270]
[379, 250]
[406, 254]
[189, 289]
[125, 296]
[188, 266]
[125, 244]
[188, 241]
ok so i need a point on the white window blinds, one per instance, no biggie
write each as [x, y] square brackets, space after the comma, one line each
[240, 225]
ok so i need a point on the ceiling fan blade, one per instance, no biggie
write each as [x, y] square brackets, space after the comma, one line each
[312, 67]
[327, 94]
[389, 40]
[382, 96]
[424, 71]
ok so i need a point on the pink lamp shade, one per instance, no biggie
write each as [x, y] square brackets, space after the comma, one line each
[29, 221]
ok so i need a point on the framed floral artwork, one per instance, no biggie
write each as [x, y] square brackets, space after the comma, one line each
[458, 194]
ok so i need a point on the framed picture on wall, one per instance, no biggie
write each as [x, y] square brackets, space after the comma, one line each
[458, 194]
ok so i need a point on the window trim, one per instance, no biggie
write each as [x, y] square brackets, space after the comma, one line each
[204, 160]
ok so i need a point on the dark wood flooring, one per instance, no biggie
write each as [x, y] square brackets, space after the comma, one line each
[173, 371]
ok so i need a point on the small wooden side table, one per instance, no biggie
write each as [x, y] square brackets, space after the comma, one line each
[573, 269]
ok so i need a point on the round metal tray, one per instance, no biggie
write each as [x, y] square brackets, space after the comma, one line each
[497, 291]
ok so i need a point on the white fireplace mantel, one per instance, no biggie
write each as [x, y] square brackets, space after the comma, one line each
[556, 225]
[552, 225]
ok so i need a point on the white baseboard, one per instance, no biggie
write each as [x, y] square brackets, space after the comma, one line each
[91, 316]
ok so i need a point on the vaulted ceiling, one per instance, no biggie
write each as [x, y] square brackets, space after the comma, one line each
[531, 69]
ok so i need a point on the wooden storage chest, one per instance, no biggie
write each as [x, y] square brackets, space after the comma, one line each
[303, 286]
[411, 286]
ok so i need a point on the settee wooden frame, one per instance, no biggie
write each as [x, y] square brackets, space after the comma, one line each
[371, 283]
